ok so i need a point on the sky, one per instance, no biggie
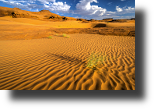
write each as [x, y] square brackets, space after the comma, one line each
[87, 9]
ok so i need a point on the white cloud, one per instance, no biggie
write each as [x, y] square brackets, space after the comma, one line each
[46, 1]
[58, 3]
[31, 1]
[35, 10]
[118, 13]
[57, 6]
[51, 5]
[129, 9]
[20, 4]
[119, 9]
[85, 4]
[85, 8]
[125, 10]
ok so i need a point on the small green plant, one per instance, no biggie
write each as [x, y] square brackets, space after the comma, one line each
[50, 37]
[64, 35]
[94, 60]
[97, 59]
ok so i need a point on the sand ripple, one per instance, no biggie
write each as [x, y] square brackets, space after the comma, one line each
[59, 63]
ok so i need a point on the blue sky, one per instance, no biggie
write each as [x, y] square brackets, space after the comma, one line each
[87, 9]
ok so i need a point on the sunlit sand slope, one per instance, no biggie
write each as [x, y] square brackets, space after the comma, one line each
[60, 63]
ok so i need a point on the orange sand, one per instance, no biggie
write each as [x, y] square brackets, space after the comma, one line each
[29, 60]
[59, 63]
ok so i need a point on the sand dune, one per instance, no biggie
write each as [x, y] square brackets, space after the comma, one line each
[60, 63]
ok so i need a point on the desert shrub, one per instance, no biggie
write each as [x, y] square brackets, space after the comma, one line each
[94, 60]
[97, 59]
[64, 35]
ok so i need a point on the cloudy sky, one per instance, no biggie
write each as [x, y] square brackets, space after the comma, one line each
[87, 9]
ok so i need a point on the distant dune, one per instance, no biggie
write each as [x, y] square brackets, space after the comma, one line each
[43, 14]
[46, 14]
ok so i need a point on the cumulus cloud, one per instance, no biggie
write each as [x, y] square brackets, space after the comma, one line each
[18, 3]
[46, 1]
[85, 4]
[51, 5]
[129, 9]
[57, 6]
[85, 8]
[125, 10]
[119, 9]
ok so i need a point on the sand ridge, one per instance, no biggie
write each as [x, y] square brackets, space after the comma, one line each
[60, 63]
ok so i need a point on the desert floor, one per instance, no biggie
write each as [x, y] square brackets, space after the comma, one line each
[29, 60]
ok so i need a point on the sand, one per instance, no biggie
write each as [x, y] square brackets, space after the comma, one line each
[24, 28]
[29, 60]
[59, 63]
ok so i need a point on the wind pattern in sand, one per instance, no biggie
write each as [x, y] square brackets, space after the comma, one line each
[60, 63]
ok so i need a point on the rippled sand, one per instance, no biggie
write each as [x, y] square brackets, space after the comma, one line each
[60, 63]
